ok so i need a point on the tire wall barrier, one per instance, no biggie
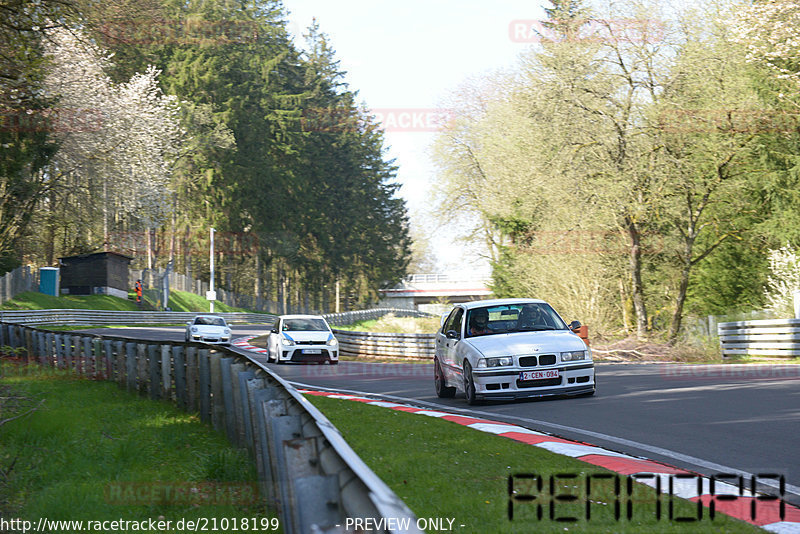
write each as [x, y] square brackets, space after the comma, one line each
[308, 474]
[770, 337]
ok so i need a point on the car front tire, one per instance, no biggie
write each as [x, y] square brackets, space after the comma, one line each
[469, 384]
[442, 390]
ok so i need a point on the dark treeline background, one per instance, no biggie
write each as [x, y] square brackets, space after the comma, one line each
[240, 128]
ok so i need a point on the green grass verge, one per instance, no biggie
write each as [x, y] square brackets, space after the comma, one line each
[445, 470]
[33, 300]
[180, 301]
[93, 452]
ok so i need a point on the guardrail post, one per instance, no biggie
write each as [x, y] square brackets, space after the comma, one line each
[260, 429]
[217, 398]
[130, 366]
[281, 427]
[50, 349]
[204, 384]
[88, 354]
[108, 359]
[100, 370]
[77, 356]
[121, 359]
[141, 368]
[67, 352]
[40, 347]
[244, 410]
[179, 368]
[58, 343]
[154, 370]
[191, 379]
[12, 336]
[225, 365]
[238, 418]
[30, 346]
[166, 377]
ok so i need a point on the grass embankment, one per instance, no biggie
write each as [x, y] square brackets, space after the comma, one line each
[178, 301]
[444, 470]
[92, 452]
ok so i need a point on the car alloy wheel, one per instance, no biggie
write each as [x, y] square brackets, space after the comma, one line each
[469, 384]
[442, 391]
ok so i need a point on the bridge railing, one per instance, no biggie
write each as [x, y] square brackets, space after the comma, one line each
[307, 472]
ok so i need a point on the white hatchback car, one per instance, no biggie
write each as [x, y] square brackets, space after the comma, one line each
[208, 329]
[509, 349]
[302, 338]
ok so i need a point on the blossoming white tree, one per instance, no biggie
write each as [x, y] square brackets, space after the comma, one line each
[783, 281]
[769, 30]
[118, 142]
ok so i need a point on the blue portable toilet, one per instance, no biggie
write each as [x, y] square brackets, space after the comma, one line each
[48, 281]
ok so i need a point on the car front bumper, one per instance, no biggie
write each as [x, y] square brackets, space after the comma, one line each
[309, 353]
[210, 339]
[505, 384]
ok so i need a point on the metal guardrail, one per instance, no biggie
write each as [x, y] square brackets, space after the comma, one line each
[351, 317]
[307, 472]
[772, 337]
[380, 345]
[111, 317]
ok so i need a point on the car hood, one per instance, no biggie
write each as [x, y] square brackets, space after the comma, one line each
[321, 337]
[209, 329]
[546, 341]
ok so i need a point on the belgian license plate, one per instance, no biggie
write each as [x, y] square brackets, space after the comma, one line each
[538, 375]
[312, 351]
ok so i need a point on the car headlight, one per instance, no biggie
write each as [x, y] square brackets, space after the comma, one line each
[194, 329]
[286, 341]
[573, 356]
[332, 341]
[227, 331]
[495, 362]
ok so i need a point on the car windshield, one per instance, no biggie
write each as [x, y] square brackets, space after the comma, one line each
[305, 324]
[210, 321]
[529, 317]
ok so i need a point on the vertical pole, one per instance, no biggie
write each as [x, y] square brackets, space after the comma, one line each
[211, 263]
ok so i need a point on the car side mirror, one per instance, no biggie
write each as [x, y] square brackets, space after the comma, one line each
[189, 323]
[574, 326]
[274, 330]
[451, 334]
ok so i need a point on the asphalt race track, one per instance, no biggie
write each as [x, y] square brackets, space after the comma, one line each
[730, 419]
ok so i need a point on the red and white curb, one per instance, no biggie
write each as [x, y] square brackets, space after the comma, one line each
[243, 343]
[656, 475]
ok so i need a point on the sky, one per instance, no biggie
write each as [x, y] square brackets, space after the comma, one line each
[404, 59]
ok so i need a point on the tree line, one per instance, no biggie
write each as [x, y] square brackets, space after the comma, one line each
[639, 162]
[150, 122]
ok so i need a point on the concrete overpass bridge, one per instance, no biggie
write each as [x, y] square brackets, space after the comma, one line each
[425, 292]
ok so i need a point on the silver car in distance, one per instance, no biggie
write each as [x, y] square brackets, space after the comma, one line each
[208, 329]
[508, 349]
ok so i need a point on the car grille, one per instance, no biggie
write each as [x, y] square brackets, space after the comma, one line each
[309, 342]
[539, 383]
[533, 361]
[298, 356]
